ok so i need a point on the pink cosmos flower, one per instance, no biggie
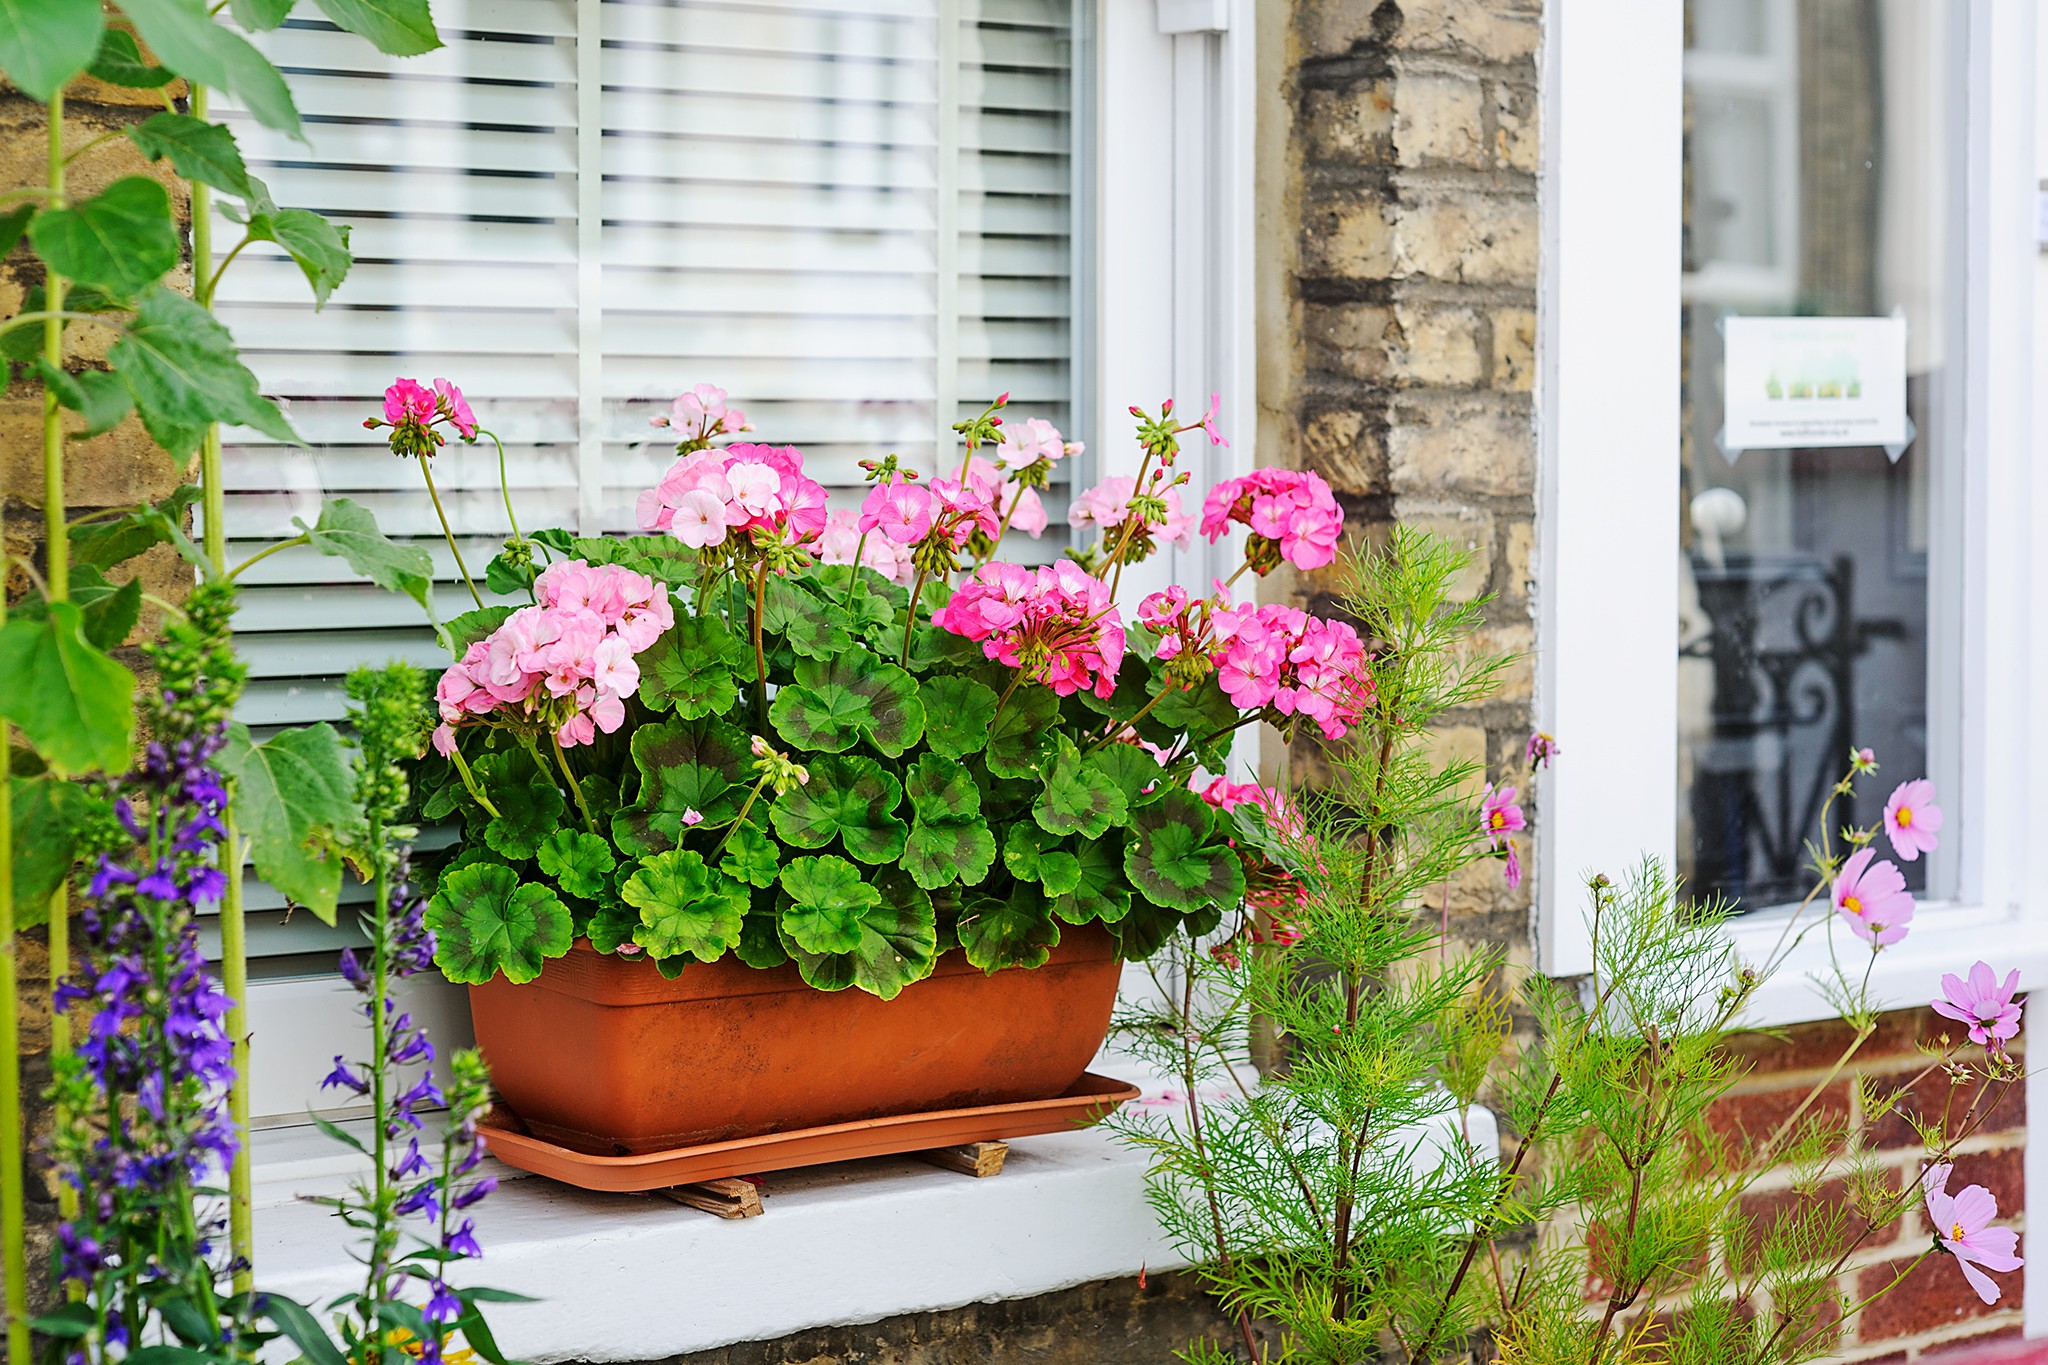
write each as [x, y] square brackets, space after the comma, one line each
[1512, 869]
[1912, 820]
[1983, 1004]
[1542, 748]
[1499, 816]
[842, 538]
[452, 405]
[1291, 512]
[900, 511]
[1962, 1227]
[698, 519]
[1873, 899]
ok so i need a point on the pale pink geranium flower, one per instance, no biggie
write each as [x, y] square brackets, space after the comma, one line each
[1499, 816]
[693, 816]
[698, 519]
[1912, 820]
[756, 488]
[1209, 420]
[613, 669]
[1982, 1003]
[1962, 1228]
[842, 540]
[1873, 899]
[1023, 444]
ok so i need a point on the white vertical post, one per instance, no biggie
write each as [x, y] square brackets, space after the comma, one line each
[1609, 414]
[946, 336]
[590, 267]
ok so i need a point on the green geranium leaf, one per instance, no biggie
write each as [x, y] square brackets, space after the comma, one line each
[320, 248]
[930, 647]
[1018, 931]
[895, 943]
[1148, 928]
[1032, 855]
[685, 907]
[940, 855]
[1100, 893]
[613, 924]
[188, 41]
[833, 704]
[103, 544]
[1173, 859]
[398, 28]
[811, 628]
[1078, 798]
[690, 670]
[577, 861]
[44, 43]
[957, 712]
[49, 816]
[184, 372]
[1134, 771]
[119, 61]
[465, 630]
[942, 791]
[72, 702]
[827, 900]
[295, 799]
[509, 574]
[1020, 736]
[760, 943]
[347, 530]
[751, 857]
[684, 766]
[528, 812]
[1199, 710]
[122, 239]
[198, 150]
[487, 922]
[852, 799]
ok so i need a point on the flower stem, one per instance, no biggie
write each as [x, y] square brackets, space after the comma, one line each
[575, 788]
[1132, 724]
[1016, 676]
[427, 472]
[476, 793]
[760, 609]
[266, 552]
[504, 484]
[741, 818]
[13, 1240]
[910, 619]
[860, 547]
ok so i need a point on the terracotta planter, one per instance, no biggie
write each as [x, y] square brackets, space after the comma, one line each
[603, 1055]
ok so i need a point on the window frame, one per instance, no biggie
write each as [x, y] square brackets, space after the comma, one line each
[1609, 392]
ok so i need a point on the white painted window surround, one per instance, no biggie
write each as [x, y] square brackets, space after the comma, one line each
[1164, 308]
[1609, 409]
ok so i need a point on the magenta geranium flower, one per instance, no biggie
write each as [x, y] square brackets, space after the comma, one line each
[1983, 1004]
[1873, 898]
[452, 405]
[1499, 816]
[1962, 1228]
[1912, 819]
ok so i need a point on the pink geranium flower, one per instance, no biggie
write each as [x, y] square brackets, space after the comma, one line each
[452, 405]
[1291, 512]
[1982, 1003]
[698, 519]
[901, 512]
[1873, 899]
[1912, 820]
[1499, 816]
[1962, 1228]
[1057, 624]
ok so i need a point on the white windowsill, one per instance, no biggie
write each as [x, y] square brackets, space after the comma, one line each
[1944, 938]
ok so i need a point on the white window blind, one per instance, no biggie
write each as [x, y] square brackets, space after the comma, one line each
[855, 215]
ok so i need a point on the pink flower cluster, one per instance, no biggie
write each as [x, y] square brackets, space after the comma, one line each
[566, 662]
[1031, 442]
[907, 512]
[1291, 512]
[1280, 656]
[412, 411]
[1105, 506]
[746, 489]
[1056, 623]
[701, 414]
[842, 539]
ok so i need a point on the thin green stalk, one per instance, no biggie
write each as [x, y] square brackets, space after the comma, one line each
[13, 1235]
[266, 552]
[476, 793]
[504, 483]
[427, 473]
[910, 618]
[575, 788]
[741, 818]
[1116, 728]
[760, 608]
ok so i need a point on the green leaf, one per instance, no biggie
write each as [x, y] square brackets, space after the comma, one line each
[1148, 928]
[13, 224]
[528, 812]
[510, 573]
[1078, 798]
[109, 612]
[44, 43]
[827, 900]
[577, 861]
[835, 703]
[761, 940]
[1021, 734]
[1173, 859]
[684, 766]
[1018, 931]
[957, 712]
[942, 790]
[75, 705]
[852, 799]
[101, 398]
[291, 1318]
[103, 544]
[198, 150]
[810, 627]
[486, 922]
[347, 530]
[119, 61]
[187, 40]
[295, 800]
[948, 840]
[751, 857]
[1031, 855]
[261, 16]
[49, 817]
[613, 925]
[690, 669]
[121, 239]
[1134, 771]
[686, 907]
[184, 371]
[397, 28]
[895, 942]
[1101, 893]
[465, 630]
[319, 247]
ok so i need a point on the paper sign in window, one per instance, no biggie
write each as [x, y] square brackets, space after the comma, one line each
[1804, 382]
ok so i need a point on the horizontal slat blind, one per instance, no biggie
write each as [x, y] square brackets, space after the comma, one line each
[770, 206]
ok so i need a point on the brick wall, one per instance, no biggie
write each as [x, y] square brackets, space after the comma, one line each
[118, 469]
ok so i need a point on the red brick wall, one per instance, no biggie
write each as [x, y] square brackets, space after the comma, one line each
[1934, 1312]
